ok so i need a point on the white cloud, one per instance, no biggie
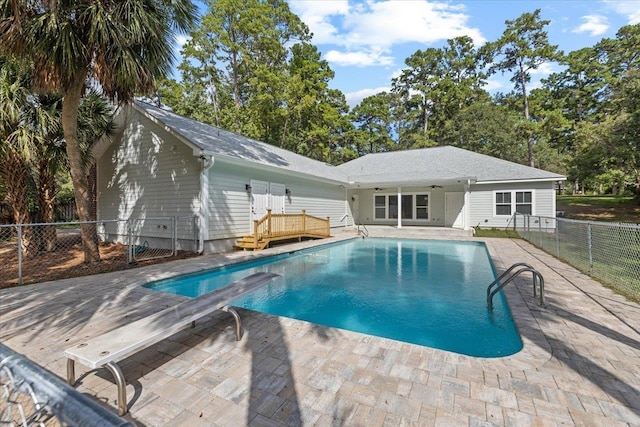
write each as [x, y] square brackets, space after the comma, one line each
[543, 70]
[595, 25]
[359, 59]
[317, 14]
[627, 8]
[373, 27]
[180, 40]
[493, 85]
[354, 98]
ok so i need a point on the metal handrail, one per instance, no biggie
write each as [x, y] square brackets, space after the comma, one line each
[537, 279]
[495, 282]
[365, 232]
[50, 395]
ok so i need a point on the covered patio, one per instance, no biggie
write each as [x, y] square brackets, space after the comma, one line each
[580, 364]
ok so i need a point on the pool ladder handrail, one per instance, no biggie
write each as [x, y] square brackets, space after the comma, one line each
[538, 281]
[365, 231]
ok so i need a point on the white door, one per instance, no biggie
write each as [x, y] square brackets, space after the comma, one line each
[276, 199]
[454, 209]
[259, 199]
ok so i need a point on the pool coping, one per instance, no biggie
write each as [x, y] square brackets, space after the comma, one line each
[536, 350]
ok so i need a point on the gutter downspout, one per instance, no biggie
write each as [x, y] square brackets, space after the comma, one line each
[207, 161]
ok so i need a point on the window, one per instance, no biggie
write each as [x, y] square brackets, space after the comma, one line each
[414, 206]
[407, 206]
[393, 207]
[524, 204]
[503, 203]
[380, 207]
[422, 206]
[508, 202]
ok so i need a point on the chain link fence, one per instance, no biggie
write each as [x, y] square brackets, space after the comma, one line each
[32, 396]
[609, 252]
[31, 253]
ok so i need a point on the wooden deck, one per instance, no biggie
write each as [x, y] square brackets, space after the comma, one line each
[275, 227]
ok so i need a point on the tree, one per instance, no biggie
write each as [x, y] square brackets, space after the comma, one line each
[434, 87]
[580, 88]
[418, 87]
[250, 68]
[373, 120]
[487, 129]
[17, 139]
[523, 47]
[122, 46]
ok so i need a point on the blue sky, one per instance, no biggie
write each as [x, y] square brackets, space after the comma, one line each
[367, 41]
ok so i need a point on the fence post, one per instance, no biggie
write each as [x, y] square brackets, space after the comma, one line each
[129, 242]
[515, 221]
[269, 222]
[540, 230]
[590, 241]
[304, 221]
[19, 254]
[558, 237]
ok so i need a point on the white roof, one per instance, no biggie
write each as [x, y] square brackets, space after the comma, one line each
[429, 165]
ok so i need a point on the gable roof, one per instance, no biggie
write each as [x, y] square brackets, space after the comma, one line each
[439, 164]
[229, 145]
[428, 165]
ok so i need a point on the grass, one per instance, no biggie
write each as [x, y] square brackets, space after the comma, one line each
[494, 232]
[600, 208]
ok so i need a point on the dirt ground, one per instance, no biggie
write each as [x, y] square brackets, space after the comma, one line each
[575, 208]
[68, 261]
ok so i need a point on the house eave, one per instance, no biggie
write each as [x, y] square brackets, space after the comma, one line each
[517, 181]
[266, 167]
[411, 183]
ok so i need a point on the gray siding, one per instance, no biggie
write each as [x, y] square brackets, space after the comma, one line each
[482, 202]
[365, 212]
[230, 204]
[147, 173]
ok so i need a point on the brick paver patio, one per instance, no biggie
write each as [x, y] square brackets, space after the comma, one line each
[580, 364]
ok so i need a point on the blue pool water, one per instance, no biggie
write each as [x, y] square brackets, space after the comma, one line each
[425, 292]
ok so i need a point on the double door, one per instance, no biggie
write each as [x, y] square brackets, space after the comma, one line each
[266, 195]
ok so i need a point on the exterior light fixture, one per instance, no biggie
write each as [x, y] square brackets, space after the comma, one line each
[247, 188]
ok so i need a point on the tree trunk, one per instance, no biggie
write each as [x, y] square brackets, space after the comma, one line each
[70, 106]
[46, 204]
[526, 116]
[14, 175]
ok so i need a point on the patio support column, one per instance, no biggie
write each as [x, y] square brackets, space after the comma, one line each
[399, 207]
[467, 205]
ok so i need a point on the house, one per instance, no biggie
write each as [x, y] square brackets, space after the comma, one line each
[162, 164]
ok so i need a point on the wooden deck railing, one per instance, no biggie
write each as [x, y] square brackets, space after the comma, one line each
[282, 226]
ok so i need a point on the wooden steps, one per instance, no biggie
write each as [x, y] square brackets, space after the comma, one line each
[276, 227]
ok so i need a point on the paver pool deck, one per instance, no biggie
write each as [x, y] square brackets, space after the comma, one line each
[580, 364]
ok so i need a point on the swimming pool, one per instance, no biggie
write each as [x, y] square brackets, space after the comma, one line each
[426, 292]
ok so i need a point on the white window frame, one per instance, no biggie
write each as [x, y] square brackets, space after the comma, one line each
[513, 201]
[413, 195]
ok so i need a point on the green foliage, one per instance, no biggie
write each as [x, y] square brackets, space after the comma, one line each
[486, 129]
[494, 232]
[434, 87]
[523, 47]
[249, 68]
